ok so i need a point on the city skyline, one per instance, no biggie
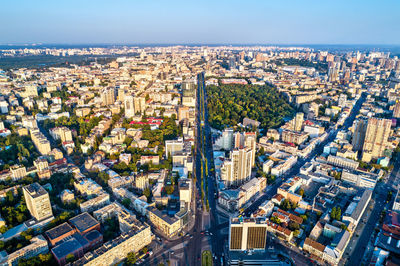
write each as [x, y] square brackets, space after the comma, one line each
[294, 22]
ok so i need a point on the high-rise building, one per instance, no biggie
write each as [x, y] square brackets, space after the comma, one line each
[139, 104]
[298, 121]
[238, 140]
[342, 100]
[247, 234]
[250, 141]
[396, 111]
[237, 169]
[129, 105]
[376, 137]
[121, 94]
[108, 96]
[37, 201]
[359, 135]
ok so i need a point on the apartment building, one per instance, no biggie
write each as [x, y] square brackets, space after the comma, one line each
[37, 201]
[376, 138]
[237, 169]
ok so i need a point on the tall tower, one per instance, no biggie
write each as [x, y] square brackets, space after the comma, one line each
[37, 201]
[140, 104]
[250, 141]
[108, 96]
[298, 121]
[359, 135]
[376, 137]
[129, 105]
[237, 169]
[396, 111]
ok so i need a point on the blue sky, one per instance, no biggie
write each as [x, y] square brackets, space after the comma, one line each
[208, 22]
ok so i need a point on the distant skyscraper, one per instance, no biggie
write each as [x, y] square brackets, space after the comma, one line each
[247, 234]
[376, 137]
[37, 201]
[108, 96]
[139, 104]
[359, 135]
[121, 94]
[129, 105]
[396, 110]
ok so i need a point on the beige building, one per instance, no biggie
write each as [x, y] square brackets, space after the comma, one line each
[185, 190]
[139, 104]
[129, 105]
[250, 141]
[396, 110]
[237, 169]
[142, 181]
[114, 251]
[61, 133]
[294, 137]
[169, 226]
[298, 121]
[38, 246]
[18, 172]
[108, 96]
[41, 142]
[376, 138]
[173, 147]
[37, 201]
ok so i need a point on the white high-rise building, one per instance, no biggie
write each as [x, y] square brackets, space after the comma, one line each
[37, 201]
[129, 105]
[237, 169]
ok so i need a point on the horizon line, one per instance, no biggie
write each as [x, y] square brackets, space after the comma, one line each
[201, 44]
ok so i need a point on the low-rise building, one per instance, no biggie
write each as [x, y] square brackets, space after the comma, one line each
[169, 226]
[116, 250]
[95, 203]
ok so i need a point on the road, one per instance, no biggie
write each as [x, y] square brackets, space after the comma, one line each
[362, 235]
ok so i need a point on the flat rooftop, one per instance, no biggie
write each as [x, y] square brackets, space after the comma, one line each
[66, 248]
[83, 221]
[35, 190]
[58, 231]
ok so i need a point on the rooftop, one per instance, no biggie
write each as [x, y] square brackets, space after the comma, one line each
[83, 221]
[66, 248]
[35, 190]
[58, 231]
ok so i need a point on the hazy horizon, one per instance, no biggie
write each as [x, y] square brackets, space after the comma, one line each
[124, 22]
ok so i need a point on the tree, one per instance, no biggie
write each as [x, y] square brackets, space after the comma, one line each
[148, 194]
[301, 192]
[285, 205]
[293, 226]
[336, 213]
[333, 213]
[275, 219]
[126, 202]
[131, 258]
[70, 258]
[169, 189]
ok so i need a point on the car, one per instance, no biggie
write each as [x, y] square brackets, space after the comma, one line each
[191, 237]
[172, 252]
